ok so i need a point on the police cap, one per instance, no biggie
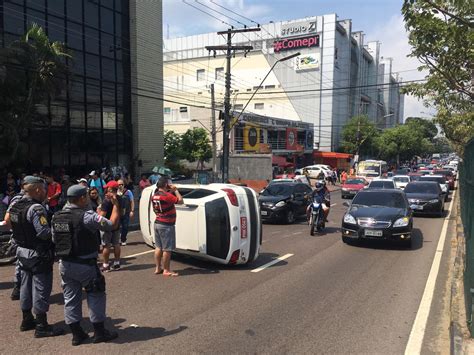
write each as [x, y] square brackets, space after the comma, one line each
[76, 191]
[30, 179]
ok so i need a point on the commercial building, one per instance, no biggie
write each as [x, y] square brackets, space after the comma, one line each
[110, 112]
[337, 76]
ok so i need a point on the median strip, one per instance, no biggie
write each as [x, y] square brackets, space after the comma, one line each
[273, 262]
[138, 254]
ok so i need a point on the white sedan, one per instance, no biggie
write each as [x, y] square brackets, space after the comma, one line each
[401, 181]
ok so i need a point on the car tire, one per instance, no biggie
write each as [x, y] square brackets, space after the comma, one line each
[290, 217]
[346, 240]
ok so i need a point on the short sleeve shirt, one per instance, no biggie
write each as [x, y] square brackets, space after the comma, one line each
[164, 207]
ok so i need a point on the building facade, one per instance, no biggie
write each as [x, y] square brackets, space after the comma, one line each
[336, 76]
[102, 117]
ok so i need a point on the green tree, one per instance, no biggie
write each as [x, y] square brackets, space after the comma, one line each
[196, 146]
[441, 34]
[173, 147]
[426, 127]
[359, 134]
[32, 70]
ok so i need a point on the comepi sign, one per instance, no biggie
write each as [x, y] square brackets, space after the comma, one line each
[294, 43]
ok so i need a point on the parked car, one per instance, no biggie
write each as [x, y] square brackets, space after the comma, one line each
[352, 185]
[378, 214]
[441, 180]
[313, 171]
[381, 184]
[217, 222]
[401, 181]
[414, 176]
[425, 197]
[284, 201]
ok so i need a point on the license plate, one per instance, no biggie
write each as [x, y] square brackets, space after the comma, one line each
[264, 213]
[373, 233]
[416, 207]
[352, 192]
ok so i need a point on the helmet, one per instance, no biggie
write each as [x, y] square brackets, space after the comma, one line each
[319, 186]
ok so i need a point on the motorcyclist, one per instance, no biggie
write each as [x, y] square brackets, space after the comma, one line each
[321, 190]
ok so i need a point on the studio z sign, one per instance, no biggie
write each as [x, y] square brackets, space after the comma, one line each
[295, 43]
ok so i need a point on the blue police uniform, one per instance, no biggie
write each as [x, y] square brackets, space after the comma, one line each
[78, 252]
[17, 277]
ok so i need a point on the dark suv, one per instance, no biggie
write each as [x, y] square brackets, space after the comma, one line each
[284, 201]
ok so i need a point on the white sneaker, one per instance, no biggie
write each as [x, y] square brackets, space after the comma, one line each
[123, 243]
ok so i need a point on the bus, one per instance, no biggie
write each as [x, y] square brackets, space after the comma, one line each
[220, 223]
[371, 169]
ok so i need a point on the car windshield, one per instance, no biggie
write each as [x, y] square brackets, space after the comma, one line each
[421, 188]
[381, 184]
[439, 180]
[400, 179]
[278, 189]
[384, 199]
[414, 177]
[355, 182]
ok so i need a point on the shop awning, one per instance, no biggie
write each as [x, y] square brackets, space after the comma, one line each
[332, 155]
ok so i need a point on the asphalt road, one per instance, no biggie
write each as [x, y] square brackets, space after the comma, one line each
[328, 297]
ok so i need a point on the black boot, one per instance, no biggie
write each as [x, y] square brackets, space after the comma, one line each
[28, 322]
[102, 335]
[78, 334]
[43, 329]
[15, 296]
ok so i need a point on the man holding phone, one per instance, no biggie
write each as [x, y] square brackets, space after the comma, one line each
[164, 200]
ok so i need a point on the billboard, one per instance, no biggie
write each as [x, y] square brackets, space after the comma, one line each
[310, 61]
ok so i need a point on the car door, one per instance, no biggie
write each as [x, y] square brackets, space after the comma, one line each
[299, 199]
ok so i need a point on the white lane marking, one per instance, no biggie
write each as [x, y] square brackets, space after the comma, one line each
[296, 233]
[277, 260]
[138, 254]
[415, 341]
[334, 204]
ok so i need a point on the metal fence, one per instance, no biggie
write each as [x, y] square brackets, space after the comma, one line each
[466, 185]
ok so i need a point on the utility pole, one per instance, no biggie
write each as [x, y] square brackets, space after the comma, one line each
[213, 131]
[230, 51]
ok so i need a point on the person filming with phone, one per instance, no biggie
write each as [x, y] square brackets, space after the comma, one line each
[164, 200]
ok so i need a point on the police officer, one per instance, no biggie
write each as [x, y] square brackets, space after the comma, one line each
[15, 296]
[35, 257]
[74, 233]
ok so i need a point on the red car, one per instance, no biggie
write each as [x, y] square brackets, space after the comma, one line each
[448, 174]
[352, 186]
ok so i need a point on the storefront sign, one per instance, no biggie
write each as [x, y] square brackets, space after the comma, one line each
[309, 140]
[307, 62]
[295, 43]
[251, 138]
[291, 138]
[298, 28]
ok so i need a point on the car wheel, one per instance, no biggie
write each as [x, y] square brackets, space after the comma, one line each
[290, 217]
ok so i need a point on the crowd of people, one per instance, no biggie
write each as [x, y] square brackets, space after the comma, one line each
[67, 221]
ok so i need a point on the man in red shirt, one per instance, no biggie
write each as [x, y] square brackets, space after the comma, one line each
[164, 200]
[54, 193]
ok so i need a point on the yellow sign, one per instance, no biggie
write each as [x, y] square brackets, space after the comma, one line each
[251, 138]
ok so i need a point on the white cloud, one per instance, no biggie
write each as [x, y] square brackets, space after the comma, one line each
[394, 39]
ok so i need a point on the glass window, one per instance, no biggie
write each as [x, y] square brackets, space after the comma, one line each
[76, 113]
[217, 228]
[74, 10]
[77, 63]
[118, 5]
[107, 3]
[94, 119]
[106, 20]
[91, 13]
[107, 45]
[109, 118]
[33, 16]
[219, 73]
[92, 40]
[167, 110]
[76, 91]
[36, 4]
[19, 2]
[258, 106]
[200, 75]
[108, 69]
[56, 7]
[93, 92]
[74, 35]
[120, 98]
[13, 16]
[118, 25]
[56, 31]
[92, 66]
[108, 94]
[238, 107]
[183, 109]
[120, 72]
[58, 114]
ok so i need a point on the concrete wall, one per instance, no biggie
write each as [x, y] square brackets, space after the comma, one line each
[147, 82]
[250, 166]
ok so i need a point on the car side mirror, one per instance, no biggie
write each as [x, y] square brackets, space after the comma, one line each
[346, 204]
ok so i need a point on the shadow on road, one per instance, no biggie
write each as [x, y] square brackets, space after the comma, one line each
[6, 285]
[417, 242]
[133, 334]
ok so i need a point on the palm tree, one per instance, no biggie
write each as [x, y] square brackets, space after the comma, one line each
[37, 72]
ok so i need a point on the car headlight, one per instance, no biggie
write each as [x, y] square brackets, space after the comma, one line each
[402, 222]
[345, 189]
[280, 204]
[434, 201]
[411, 200]
[348, 218]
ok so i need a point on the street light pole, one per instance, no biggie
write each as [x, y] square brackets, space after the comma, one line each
[213, 131]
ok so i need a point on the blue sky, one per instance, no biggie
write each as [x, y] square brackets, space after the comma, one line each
[379, 19]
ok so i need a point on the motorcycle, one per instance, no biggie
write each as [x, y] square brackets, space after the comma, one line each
[316, 216]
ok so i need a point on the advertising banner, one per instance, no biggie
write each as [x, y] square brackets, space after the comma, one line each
[291, 139]
[309, 139]
[310, 61]
[251, 138]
